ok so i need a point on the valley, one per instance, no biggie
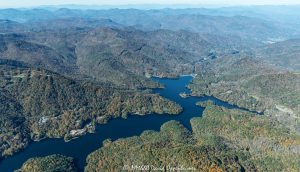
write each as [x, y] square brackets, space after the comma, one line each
[214, 89]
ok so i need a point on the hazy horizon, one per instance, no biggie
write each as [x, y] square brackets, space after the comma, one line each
[165, 3]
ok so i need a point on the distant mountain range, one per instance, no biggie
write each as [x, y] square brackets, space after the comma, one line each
[247, 24]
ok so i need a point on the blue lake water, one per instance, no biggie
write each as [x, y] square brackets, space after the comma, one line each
[116, 128]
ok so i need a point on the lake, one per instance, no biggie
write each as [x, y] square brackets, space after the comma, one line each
[116, 128]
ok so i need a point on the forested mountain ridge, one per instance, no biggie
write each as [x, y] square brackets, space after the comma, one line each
[252, 84]
[284, 54]
[118, 56]
[38, 104]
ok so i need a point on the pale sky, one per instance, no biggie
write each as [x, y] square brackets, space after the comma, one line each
[34, 3]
